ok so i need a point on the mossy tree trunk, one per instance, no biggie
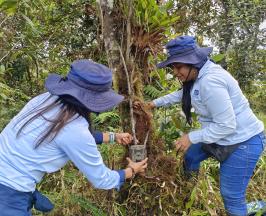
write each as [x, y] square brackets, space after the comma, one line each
[128, 48]
[117, 36]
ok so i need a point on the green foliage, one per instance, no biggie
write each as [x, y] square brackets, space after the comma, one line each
[191, 200]
[111, 153]
[107, 120]
[154, 16]
[257, 97]
[152, 91]
[11, 101]
[171, 124]
[9, 6]
[234, 27]
[163, 82]
[86, 205]
[217, 58]
[45, 36]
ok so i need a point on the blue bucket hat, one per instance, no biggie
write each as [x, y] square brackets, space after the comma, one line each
[88, 82]
[184, 49]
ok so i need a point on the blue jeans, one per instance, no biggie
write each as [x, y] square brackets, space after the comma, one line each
[235, 172]
[14, 203]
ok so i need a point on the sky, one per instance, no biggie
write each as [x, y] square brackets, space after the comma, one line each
[263, 25]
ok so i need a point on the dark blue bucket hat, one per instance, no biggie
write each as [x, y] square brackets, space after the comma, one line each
[184, 49]
[88, 82]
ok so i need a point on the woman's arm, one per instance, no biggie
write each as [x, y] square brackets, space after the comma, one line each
[169, 99]
[110, 137]
[78, 144]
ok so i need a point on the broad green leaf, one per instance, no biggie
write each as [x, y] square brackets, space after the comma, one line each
[9, 6]
[2, 69]
[218, 57]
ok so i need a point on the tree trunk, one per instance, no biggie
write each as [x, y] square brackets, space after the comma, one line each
[117, 38]
[130, 65]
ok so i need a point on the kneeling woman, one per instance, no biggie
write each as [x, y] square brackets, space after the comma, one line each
[230, 131]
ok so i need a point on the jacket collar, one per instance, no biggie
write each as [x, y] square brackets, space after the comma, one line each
[204, 68]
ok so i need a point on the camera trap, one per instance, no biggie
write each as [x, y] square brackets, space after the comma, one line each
[137, 152]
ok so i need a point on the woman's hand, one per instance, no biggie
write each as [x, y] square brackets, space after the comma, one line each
[135, 167]
[183, 143]
[149, 105]
[123, 138]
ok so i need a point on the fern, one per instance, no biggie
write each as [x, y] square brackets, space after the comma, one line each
[110, 117]
[152, 91]
[11, 101]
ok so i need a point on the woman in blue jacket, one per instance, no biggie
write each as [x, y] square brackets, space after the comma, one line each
[229, 129]
[52, 129]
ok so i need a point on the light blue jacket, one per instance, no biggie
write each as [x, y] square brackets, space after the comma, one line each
[23, 165]
[223, 110]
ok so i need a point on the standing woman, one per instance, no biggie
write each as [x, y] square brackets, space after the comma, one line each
[230, 131]
[52, 129]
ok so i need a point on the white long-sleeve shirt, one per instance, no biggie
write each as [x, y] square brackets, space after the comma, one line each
[22, 165]
[222, 109]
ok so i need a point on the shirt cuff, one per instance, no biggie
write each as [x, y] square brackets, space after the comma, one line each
[122, 175]
[158, 102]
[98, 136]
[195, 136]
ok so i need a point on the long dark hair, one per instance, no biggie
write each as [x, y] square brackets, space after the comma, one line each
[186, 97]
[69, 107]
[186, 100]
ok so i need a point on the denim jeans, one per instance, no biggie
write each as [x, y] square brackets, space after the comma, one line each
[17, 203]
[235, 172]
[14, 203]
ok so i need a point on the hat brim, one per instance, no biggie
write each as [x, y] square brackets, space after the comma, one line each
[194, 57]
[95, 101]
